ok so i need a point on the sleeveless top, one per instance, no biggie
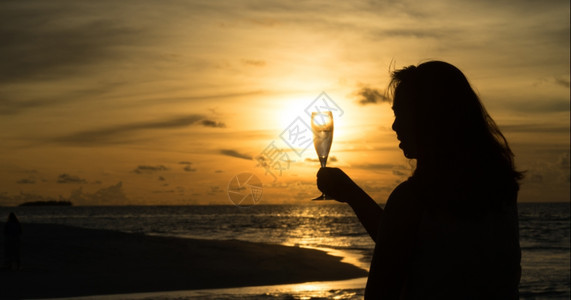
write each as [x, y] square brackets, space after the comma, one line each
[426, 250]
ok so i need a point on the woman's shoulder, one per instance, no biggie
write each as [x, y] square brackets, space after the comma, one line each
[403, 196]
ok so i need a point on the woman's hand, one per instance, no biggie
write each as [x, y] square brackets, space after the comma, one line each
[336, 184]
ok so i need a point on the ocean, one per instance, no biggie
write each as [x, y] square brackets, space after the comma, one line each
[544, 239]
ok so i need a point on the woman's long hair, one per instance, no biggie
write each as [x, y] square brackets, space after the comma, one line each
[456, 136]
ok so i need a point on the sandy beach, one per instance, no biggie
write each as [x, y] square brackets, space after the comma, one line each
[65, 261]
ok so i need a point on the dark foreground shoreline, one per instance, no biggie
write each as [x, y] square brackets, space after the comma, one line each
[66, 261]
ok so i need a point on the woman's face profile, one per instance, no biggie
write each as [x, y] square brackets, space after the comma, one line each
[404, 125]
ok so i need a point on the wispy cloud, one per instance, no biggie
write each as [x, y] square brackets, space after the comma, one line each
[149, 169]
[536, 128]
[234, 153]
[113, 194]
[206, 97]
[366, 95]
[13, 104]
[187, 166]
[26, 181]
[401, 173]
[254, 62]
[315, 160]
[67, 178]
[563, 161]
[189, 169]
[114, 134]
[210, 123]
[547, 105]
[37, 47]
[564, 82]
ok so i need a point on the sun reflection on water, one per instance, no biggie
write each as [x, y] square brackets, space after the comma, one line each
[345, 289]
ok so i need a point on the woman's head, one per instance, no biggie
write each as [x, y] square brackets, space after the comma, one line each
[439, 119]
[439, 101]
[12, 217]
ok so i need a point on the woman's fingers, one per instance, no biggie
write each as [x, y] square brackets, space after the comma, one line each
[335, 183]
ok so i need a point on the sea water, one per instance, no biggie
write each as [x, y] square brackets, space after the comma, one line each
[544, 238]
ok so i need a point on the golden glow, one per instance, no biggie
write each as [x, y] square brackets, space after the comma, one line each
[289, 109]
[107, 110]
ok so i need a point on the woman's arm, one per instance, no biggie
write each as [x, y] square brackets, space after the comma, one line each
[335, 183]
[368, 212]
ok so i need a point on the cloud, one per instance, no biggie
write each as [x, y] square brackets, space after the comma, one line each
[535, 128]
[541, 106]
[116, 134]
[188, 168]
[210, 123]
[367, 95]
[564, 82]
[400, 173]
[39, 47]
[208, 97]
[551, 171]
[66, 178]
[149, 169]
[535, 177]
[563, 161]
[10, 106]
[254, 62]
[315, 160]
[113, 194]
[265, 22]
[26, 181]
[416, 33]
[163, 192]
[234, 153]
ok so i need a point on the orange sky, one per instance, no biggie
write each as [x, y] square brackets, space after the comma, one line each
[153, 103]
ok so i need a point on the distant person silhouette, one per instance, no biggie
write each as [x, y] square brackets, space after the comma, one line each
[12, 233]
[451, 230]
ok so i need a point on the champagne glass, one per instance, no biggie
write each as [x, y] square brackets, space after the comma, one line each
[322, 126]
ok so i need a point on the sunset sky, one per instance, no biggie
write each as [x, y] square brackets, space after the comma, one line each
[164, 102]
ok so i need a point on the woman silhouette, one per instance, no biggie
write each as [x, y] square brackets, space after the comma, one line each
[12, 233]
[451, 230]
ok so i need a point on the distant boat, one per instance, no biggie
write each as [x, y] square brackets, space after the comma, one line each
[47, 203]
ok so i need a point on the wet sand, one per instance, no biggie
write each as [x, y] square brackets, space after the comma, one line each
[65, 261]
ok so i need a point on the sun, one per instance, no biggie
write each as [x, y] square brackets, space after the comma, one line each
[290, 110]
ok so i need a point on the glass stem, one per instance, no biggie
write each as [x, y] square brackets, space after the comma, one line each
[323, 160]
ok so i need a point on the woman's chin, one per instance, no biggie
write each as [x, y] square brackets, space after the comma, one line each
[406, 151]
[409, 154]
